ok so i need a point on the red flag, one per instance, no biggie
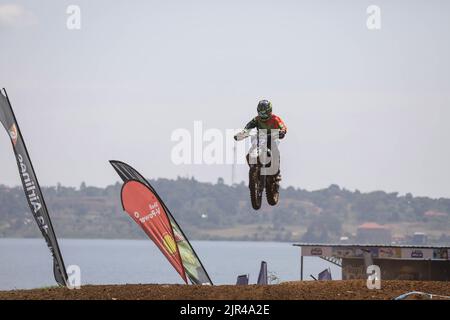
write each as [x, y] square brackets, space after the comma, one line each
[143, 206]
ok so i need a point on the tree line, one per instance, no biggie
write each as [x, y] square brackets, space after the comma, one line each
[223, 212]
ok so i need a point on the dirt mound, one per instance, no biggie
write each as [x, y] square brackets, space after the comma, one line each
[315, 290]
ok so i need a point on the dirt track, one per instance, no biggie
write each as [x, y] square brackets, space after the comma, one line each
[328, 290]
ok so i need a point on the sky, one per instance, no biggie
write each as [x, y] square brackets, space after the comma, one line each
[365, 109]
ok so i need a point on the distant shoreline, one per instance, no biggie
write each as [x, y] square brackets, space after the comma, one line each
[138, 239]
[219, 212]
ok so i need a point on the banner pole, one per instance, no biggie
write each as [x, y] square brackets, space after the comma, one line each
[301, 264]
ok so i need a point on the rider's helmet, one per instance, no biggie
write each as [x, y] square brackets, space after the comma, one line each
[264, 109]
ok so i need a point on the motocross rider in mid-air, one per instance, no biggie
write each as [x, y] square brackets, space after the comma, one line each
[268, 121]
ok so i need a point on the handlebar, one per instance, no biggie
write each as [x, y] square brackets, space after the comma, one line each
[254, 133]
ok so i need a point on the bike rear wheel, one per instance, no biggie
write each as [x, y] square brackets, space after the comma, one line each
[272, 191]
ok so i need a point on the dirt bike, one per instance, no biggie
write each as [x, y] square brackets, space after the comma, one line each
[257, 181]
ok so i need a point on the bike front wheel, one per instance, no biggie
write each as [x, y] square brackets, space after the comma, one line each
[255, 188]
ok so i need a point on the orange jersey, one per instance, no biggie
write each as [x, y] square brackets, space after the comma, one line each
[274, 122]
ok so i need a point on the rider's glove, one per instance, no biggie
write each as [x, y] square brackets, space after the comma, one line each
[235, 137]
[281, 134]
[241, 135]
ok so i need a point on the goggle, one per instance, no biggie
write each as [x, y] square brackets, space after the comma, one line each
[263, 114]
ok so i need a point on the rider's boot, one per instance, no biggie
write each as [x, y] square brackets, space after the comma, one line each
[277, 178]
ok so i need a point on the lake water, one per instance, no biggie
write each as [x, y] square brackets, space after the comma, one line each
[26, 263]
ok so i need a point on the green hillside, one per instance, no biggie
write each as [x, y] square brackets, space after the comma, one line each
[223, 212]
